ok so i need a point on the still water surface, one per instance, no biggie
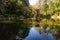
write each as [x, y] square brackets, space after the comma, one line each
[35, 35]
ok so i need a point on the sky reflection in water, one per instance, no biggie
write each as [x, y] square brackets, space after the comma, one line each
[34, 35]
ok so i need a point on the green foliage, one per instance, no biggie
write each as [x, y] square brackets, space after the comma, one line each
[16, 9]
[10, 27]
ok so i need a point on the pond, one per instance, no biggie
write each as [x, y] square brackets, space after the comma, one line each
[35, 35]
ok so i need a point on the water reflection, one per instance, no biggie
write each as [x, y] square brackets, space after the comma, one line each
[35, 35]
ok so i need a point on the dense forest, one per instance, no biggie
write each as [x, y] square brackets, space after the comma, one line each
[13, 18]
[17, 16]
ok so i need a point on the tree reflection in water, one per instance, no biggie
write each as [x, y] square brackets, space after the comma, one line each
[35, 35]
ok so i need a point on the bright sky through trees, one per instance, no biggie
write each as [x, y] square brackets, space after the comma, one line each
[33, 2]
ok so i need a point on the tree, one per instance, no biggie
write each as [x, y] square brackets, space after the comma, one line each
[8, 31]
